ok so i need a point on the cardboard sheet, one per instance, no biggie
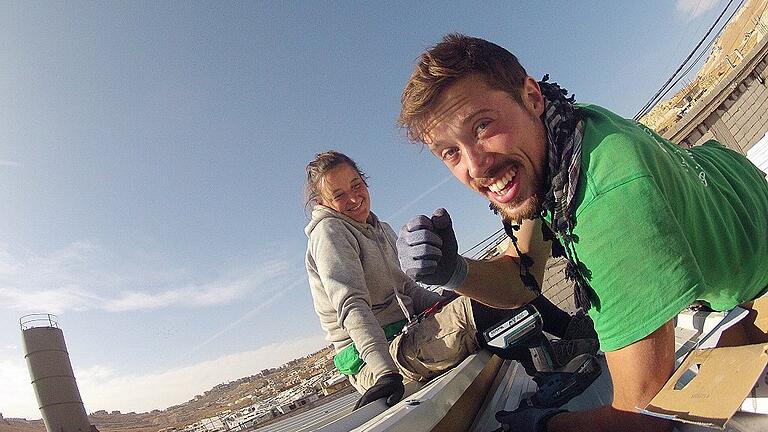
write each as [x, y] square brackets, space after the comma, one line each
[712, 384]
[725, 377]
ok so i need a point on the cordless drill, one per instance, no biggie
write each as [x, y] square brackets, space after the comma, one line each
[522, 331]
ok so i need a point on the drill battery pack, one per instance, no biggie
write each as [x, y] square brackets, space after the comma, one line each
[521, 325]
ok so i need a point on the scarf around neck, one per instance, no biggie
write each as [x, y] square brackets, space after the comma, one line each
[565, 130]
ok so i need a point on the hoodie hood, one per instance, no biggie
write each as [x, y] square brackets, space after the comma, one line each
[320, 212]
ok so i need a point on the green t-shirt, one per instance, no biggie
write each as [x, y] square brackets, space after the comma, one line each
[659, 227]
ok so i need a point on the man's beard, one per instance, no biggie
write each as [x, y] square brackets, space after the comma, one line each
[516, 212]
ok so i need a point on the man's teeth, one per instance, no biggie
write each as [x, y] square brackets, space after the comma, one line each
[502, 182]
[356, 207]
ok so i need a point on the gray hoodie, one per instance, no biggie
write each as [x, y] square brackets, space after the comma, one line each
[357, 285]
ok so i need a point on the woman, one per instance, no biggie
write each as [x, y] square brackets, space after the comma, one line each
[363, 299]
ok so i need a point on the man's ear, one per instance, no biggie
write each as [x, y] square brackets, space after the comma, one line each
[532, 97]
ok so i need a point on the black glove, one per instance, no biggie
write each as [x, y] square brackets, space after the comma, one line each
[526, 419]
[388, 386]
[427, 248]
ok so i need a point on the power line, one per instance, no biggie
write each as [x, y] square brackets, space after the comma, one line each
[685, 72]
[644, 110]
[688, 69]
[495, 234]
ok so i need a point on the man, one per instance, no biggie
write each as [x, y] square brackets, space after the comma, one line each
[647, 227]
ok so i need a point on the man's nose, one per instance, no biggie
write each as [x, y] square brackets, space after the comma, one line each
[478, 161]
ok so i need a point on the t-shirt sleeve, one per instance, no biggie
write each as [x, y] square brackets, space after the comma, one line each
[638, 262]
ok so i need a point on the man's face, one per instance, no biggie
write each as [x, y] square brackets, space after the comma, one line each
[492, 143]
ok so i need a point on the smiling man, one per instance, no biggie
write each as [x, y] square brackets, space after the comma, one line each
[647, 228]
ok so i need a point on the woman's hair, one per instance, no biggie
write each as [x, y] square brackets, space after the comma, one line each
[318, 167]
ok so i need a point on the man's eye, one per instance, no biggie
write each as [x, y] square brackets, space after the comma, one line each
[481, 127]
[338, 197]
[449, 154]
[356, 186]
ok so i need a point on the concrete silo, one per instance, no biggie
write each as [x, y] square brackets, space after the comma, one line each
[51, 373]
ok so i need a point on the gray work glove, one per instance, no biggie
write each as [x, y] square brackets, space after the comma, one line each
[389, 386]
[427, 249]
[526, 419]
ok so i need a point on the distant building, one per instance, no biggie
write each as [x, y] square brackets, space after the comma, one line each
[334, 384]
[210, 424]
[248, 417]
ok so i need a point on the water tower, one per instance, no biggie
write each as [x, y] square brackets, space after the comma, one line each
[51, 373]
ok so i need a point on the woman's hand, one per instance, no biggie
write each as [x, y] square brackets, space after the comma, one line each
[389, 386]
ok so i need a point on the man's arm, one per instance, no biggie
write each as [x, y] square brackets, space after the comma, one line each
[496, 282]
[638, 372]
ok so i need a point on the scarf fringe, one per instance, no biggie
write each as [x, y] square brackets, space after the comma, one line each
[564, 126]
[581, 293]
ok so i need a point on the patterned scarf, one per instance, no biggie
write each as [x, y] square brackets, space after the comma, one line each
[565, 131]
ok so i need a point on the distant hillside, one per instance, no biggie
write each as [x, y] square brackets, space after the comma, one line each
[20, 425]
[226, 396]
[743, 32]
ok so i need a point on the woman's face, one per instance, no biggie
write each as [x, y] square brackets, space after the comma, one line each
[344, 191]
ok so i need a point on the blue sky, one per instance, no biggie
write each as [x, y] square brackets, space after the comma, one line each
[152, 159]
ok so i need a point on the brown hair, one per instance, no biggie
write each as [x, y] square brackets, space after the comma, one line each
[318, 167]
[455, 57]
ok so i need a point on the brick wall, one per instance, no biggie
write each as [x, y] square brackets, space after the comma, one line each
[555, 287]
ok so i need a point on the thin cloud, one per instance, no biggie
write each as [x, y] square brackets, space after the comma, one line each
[218, 292]
[9, 163]
[58, 300]
[83, 276]
[691, 9]
[419, 198]
[268, 302]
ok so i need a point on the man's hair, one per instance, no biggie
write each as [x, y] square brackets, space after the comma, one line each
[455, 57]
[318, 167]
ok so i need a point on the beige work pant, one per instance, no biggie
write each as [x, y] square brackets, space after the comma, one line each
[437, 344]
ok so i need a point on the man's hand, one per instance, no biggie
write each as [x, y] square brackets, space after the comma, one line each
[526, 419]
[428, 251]
[388, 386]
